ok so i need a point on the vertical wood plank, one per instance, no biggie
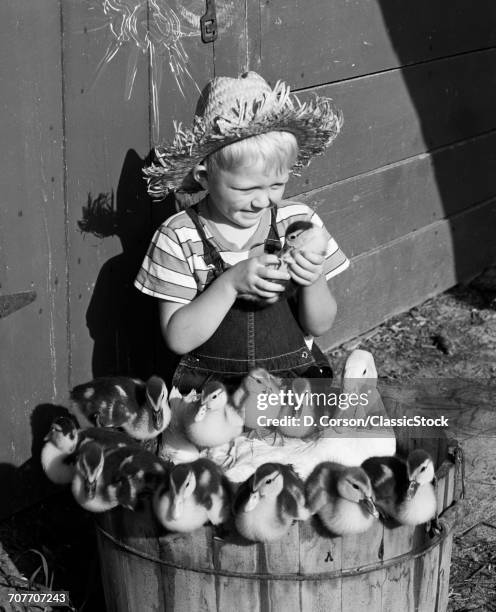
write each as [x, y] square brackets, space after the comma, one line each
[32, 225]
[444, 572]
[319, 553]
[397, 590]
[130, 581]
[191, 590]
[449, 489]
[363, 592]
[426, 580]
[233, 593]
[107, 138]
[283, 557]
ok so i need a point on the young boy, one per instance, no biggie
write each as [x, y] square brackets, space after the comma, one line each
[223, 301]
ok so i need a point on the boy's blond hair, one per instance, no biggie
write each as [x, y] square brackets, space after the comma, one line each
[277, 150]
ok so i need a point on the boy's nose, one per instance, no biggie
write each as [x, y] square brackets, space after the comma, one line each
[261, 200]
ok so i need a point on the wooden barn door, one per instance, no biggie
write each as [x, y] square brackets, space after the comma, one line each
[33, 282]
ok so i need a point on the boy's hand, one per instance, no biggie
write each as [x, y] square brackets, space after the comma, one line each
[253, 277]
[306, 267]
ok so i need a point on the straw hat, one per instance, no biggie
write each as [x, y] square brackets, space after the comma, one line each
[234, 109]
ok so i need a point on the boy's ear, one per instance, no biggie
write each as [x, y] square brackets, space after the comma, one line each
[200, 175]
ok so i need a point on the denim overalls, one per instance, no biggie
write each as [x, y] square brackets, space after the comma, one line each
[250, 336]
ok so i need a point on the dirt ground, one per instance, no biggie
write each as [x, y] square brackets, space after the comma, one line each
[450, 338]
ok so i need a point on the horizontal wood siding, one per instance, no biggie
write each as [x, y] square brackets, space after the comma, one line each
[310, 42]
[407, 187]
[406, 271]
[397, 114]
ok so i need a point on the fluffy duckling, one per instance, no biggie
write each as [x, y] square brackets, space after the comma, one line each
[258, 384]
[266, 504]
[405, 491]
[138, 474]
[87, 484]
[59, 452]
[100, 475]
[300, 236]
[213, 421]
[294, 426]
[59, 445]
[342, 497]
[140, 408]
[193, 494]
[303, 236]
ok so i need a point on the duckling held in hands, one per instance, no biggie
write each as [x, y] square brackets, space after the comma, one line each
[213, 421]
[342, 497]
[303, 236]
[266, 504]
[140, 408]
[405, 491]
[193, 494]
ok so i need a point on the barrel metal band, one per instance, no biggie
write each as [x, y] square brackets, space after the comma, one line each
[447, 520]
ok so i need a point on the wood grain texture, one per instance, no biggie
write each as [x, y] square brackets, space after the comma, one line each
[365, 591]
[398, 114]
[309, 42]
[372, 209]
[32, 242]
[401, 274]
[102, 130]
[412, 584]
[143, 580]
[236, 593]
[319, 553]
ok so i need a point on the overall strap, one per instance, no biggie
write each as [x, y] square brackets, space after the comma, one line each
[211, 255]
[273, 243]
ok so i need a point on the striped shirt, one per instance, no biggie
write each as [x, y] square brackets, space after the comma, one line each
[174, 268]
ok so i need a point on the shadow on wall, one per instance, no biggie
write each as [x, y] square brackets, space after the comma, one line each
[27, 482]
[122, 321]
[449, 68]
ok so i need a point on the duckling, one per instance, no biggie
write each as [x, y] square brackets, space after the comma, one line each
[295, 413]
[405, 491]
[140, 408]
[303, 236]
[342, 497]
[266, 504]
[152, 416]
[97, 478]
[107, 401]
[300, 236]
[193, 494]
[256, 386]
[87, 482]
[213, 421]
[138, 474]
[57, 452]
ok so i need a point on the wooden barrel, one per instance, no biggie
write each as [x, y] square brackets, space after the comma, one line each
[385, 569]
